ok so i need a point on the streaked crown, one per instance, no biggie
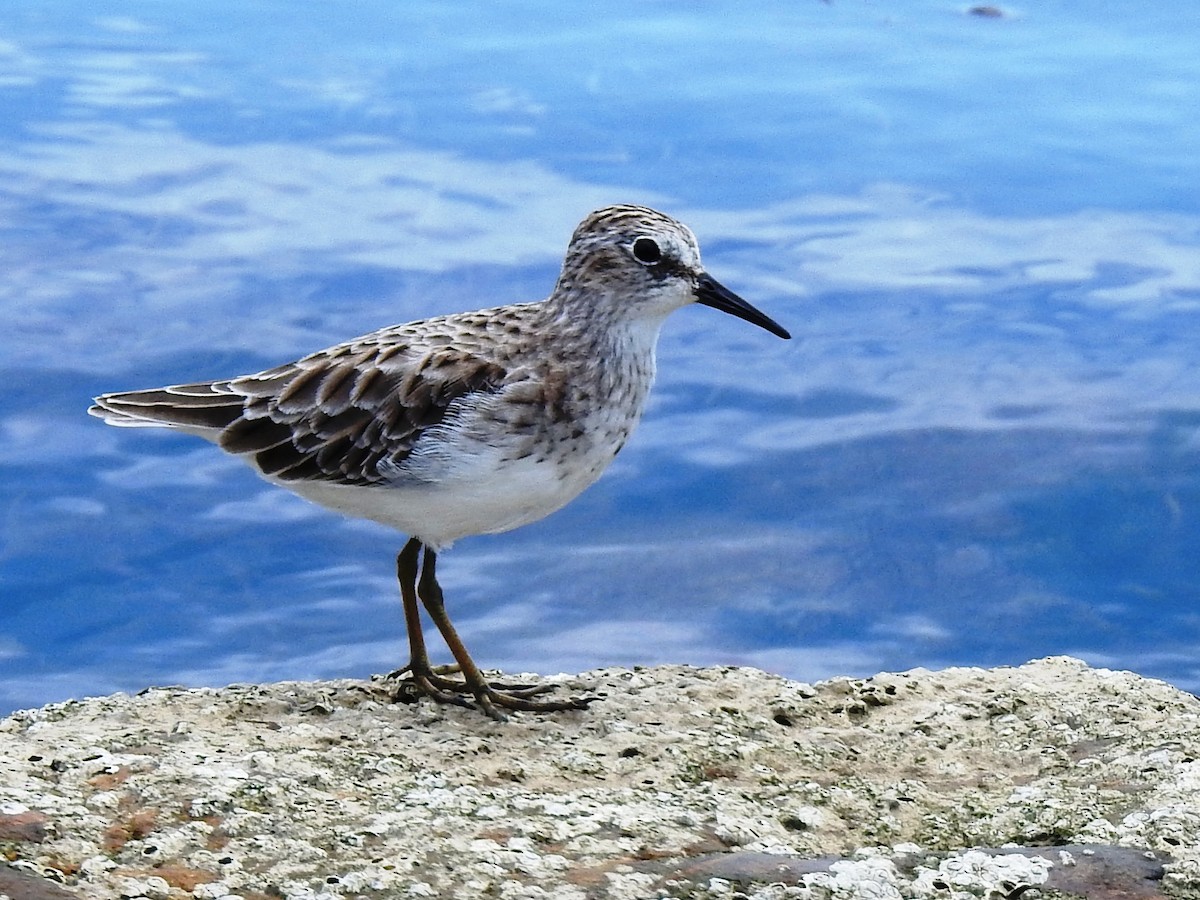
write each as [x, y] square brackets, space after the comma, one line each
[641, 258]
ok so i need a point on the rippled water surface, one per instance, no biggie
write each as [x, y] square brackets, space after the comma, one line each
[984, 232]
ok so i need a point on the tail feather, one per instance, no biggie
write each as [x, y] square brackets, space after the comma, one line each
[204, 408]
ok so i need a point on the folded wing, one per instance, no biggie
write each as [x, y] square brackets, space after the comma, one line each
[349, 416]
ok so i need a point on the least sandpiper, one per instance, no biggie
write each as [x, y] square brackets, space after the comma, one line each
[472, 423]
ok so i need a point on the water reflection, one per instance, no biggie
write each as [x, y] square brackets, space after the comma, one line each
[981, 448]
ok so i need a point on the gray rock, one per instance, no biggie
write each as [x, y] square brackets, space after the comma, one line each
[681, 782]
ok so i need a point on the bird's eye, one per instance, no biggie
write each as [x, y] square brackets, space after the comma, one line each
[646, 251]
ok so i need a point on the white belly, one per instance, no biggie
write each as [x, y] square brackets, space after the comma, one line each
[500, 498]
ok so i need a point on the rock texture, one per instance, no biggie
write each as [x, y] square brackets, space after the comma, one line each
[681, 782]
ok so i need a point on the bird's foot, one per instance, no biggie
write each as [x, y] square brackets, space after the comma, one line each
[434, 676]
[490, 698]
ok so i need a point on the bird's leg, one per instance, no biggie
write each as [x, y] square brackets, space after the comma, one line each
[406, 574]
[422, 678]
[487, 696]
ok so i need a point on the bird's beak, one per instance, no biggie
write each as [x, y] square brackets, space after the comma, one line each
[711, 292]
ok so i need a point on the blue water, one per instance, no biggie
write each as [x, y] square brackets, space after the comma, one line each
[980, 448]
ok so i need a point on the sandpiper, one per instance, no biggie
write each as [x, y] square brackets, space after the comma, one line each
[472, 423]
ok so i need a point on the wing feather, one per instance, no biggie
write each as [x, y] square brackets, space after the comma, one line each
[350, 415]
[205, 407]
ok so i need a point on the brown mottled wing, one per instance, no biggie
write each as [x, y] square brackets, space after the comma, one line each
[349, 419]
[338, 416]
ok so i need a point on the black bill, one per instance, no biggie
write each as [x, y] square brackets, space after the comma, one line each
[711, 292]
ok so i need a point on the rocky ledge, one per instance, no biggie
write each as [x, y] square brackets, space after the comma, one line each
[1050, 779]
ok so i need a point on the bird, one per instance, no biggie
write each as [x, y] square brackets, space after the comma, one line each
[463, 424]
